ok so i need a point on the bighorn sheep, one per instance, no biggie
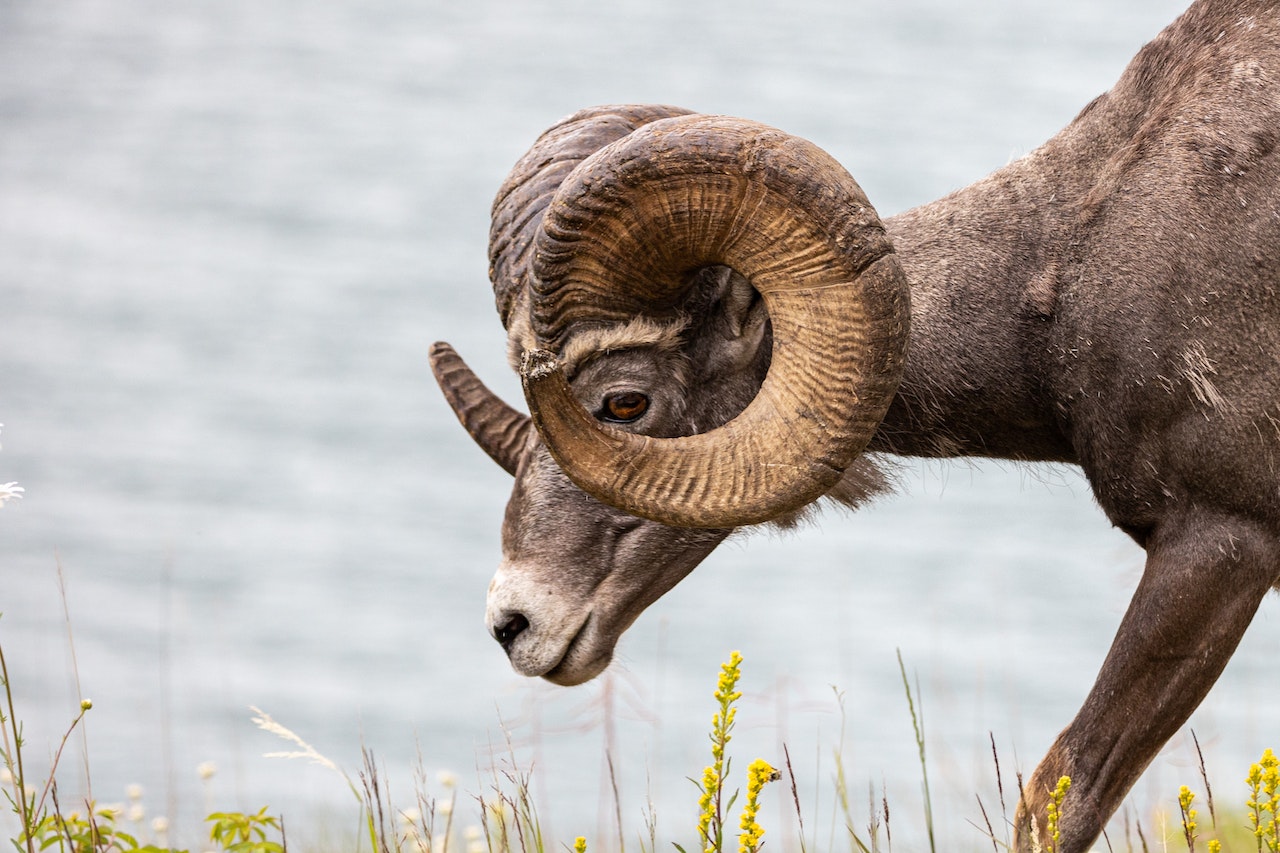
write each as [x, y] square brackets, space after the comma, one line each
[712, 324]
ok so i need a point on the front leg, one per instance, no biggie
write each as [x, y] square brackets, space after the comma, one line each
[1204, 579]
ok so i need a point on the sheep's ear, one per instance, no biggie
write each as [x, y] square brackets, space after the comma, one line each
[735, 324]
[741, 307]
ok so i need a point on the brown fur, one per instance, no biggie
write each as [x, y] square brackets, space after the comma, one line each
[1111, 300]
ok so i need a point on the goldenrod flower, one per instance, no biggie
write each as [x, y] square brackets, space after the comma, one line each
[1054, 810]
[706, 803]
[1271, 791]
[1264, 796]
[710, 813]
[1185, 798]
[580, 845]
[759, 774]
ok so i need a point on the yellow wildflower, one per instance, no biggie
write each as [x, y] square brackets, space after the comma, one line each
[706, 802]
[710, 813]
[1054, 810]
[1264, 796]
[1185, 798]
[758, 775]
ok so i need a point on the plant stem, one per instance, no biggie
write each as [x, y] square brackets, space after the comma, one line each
[917, 723]
[13, 755]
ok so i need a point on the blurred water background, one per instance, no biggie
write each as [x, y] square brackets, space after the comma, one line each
[228, 233]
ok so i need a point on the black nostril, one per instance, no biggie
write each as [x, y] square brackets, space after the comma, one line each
[507, 632]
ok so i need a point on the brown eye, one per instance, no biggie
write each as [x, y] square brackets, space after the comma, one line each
[624, 407]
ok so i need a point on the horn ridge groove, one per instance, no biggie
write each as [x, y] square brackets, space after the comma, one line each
[619, 239]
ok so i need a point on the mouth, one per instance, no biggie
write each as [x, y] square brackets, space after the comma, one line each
[580, 663]
[566, 639]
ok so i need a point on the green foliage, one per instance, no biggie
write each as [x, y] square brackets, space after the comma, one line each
[46, 827]
[236, 832]
[92, 833]
[99, 831]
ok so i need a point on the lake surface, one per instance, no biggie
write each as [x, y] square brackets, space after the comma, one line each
[229, 232]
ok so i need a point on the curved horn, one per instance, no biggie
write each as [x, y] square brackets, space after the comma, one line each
[620, 238]
[500, 430]
[523, 197]
[517, 216]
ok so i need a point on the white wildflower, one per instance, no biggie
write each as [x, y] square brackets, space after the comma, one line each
[6, 778]
[477, 847]
[8, 491]
[160, 825]
[447, 779]
[410, 816]
[472, 833]
[444, 808]
[207, 769]
[136, 813]
[133, 792]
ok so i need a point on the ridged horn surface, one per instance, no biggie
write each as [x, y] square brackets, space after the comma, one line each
[523, 197]
[500, 430]
[517, 215]
[620, 238]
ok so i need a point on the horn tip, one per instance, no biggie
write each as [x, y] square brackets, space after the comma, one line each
[536, 364]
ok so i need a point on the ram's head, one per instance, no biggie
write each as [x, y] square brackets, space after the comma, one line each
[709, 322]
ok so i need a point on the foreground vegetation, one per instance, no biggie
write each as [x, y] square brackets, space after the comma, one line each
[508, 820]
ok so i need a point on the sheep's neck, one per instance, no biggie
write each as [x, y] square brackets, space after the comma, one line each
[988, 349]
[984, 264]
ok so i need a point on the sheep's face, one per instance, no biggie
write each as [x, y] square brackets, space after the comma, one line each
[611, 248]
[575, 573]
